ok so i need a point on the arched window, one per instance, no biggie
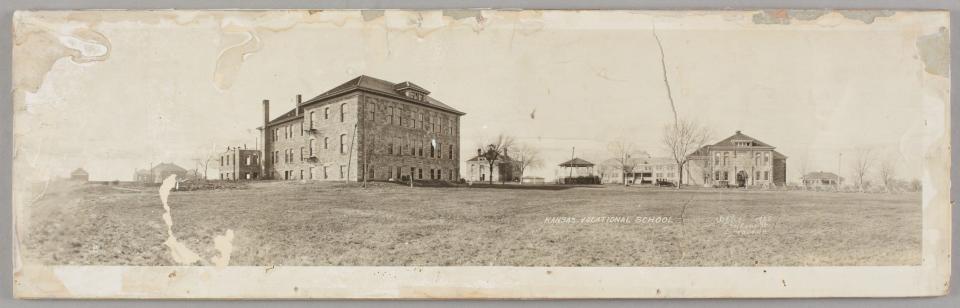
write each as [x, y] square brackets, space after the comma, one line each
[343, 111]
[311, 149]
[326, 113]
[326, 143]
[343, 143]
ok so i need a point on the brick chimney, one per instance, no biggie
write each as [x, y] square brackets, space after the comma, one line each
[297, 107]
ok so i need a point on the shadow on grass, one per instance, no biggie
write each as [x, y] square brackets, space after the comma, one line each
[526, 186]
[445, 184]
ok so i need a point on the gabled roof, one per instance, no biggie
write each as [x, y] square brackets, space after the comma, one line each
[730, 144]
[738, 136]
[167, 167]
[576, 162]
[79, 171]
[820, 176]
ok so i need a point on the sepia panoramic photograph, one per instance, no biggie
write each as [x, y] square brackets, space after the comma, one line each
[490, 139]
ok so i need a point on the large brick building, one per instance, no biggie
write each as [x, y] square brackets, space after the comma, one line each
[387, 130]
[739, 160]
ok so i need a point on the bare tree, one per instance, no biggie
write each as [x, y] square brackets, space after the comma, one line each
[863, 162]
[203, 162]
[683, 139]
[887, 170]
[527, 157]
[621, 151]
[495, 151]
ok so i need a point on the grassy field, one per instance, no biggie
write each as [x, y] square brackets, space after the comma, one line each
[288, 223]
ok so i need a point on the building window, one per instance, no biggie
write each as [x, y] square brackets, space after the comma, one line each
[372, 111]
[301, 128]
[390, 148]
[310, 175]
[390, 111]
[343, 143]
[311, 120]
[757, 175]
[326, 113]
[310, 144]
[726, 176]
[343, 171]
[343, 111]
[766, 158]
[766, 175]
[326, 143]
[420, 173]
[301, 174]
[325, 172]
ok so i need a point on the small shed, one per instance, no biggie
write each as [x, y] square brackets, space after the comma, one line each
[80, 175]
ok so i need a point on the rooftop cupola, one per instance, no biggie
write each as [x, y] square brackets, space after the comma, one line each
[411, 90]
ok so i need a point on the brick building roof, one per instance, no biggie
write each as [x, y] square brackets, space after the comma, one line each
[821, 176]
[374, 85]
[167, 167]
[729, 144]
[503, 158]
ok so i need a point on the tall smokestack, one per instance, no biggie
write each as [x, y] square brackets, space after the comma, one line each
[297, 107]
[266, 165]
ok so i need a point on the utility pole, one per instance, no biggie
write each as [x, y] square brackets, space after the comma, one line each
[839, 161]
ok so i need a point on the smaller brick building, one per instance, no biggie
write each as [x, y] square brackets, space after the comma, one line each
[505, 169]
[740, 161]
[240, 164]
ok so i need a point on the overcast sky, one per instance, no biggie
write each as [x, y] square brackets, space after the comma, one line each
[180, 88]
